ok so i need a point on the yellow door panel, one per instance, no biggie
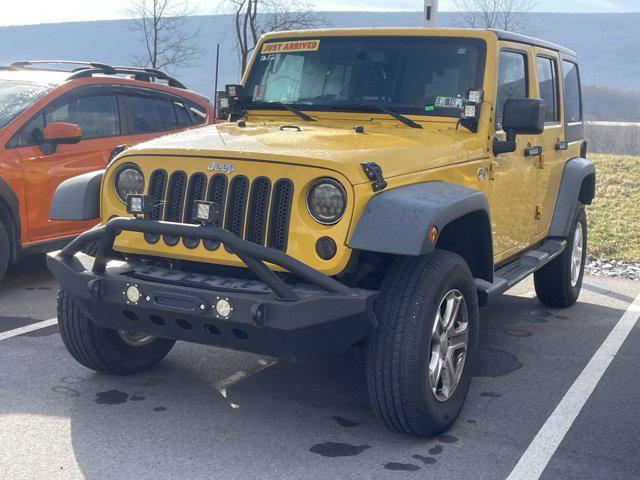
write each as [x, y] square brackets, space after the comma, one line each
[514, 174]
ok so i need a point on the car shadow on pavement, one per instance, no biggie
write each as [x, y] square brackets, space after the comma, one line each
[294, 420]
[28, 269]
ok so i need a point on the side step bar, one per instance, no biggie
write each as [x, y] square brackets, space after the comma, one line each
[513, 273]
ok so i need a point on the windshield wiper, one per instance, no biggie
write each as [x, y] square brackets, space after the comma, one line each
[374, 106]
[293, 109]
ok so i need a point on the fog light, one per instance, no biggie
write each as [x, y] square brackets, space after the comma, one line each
[224, 308]
[205, 213]
[139, 204]
[326, 248]
[475, 96]
[470, 111]
[133, 294]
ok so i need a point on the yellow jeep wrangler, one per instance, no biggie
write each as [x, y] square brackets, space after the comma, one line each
[372, 186]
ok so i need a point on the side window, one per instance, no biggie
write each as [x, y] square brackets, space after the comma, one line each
[512, 81]
[30, 134]
[150, 114]
[548, 82]
[182, 114]
[97, 115]
[198, 113]
[572, 104]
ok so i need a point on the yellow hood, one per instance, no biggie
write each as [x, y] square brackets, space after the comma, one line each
[333, 145]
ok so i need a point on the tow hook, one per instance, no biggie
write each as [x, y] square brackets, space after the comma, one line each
[373, 171]
[95, 287]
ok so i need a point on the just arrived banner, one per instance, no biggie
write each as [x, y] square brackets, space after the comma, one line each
[292, 46]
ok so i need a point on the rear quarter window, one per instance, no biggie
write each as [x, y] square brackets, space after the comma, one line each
[572, 103]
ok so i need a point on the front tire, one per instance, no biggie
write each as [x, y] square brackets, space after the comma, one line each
[105, 350]
[420, 359]
[558, 283]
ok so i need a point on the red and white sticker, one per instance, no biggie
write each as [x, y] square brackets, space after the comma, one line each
[291, 46]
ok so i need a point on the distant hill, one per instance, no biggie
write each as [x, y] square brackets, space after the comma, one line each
[606, 43]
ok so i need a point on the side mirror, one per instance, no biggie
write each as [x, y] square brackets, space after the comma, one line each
[61, 133]
[521, 116]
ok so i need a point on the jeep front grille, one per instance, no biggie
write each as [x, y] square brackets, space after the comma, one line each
[253, 210]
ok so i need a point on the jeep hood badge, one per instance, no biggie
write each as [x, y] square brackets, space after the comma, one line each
[221, 167]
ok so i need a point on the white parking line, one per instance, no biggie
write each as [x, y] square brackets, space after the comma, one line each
[539, 453]
[28, 328]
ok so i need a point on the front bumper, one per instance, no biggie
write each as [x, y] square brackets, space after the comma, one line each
[316, 317]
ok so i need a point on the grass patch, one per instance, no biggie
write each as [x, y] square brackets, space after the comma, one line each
[614, 217]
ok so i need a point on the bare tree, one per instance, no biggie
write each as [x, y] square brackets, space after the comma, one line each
[253, 18]
[508, 15]
[168, 43]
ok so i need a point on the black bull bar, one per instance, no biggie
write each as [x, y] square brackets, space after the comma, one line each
[319, 314]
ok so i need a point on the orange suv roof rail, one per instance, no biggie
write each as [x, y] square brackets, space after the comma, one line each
[88, 69]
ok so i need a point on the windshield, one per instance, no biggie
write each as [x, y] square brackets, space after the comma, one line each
[16, 97]
[413, 75]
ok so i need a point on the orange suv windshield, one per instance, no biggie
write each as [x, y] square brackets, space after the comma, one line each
[16, 97]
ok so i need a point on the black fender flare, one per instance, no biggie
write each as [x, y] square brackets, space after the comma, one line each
[397, 221]
[577, 185]
[77, 198]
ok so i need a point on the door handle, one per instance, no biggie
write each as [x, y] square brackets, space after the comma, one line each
[533, 151]
[562, 145]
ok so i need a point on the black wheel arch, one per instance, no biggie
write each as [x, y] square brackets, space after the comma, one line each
[10, 217]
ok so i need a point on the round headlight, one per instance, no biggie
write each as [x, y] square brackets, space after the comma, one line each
[129, 181]
[326, 201]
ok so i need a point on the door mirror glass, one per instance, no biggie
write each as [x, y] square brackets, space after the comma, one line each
[57, 133]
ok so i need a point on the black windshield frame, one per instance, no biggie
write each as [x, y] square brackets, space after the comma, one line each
[255, 73]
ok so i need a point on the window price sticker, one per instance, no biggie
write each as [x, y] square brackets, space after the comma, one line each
[259, 92]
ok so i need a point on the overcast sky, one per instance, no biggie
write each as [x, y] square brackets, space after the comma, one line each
[47, 11]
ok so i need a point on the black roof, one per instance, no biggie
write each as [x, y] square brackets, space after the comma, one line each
[536, 42]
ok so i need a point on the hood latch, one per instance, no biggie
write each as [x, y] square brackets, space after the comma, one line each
[373, 171]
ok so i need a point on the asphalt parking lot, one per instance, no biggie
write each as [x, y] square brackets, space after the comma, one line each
[206, 413]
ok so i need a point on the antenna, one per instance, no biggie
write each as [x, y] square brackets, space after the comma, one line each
[215, 87]
[430, 13]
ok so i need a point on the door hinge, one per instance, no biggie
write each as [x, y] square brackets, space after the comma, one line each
[541, 161]
[373, 171]
[493, 167]
[538, 212]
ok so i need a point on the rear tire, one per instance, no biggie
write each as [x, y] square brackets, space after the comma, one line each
[407, 390]
[558, 283]
[5, 250]
[102, 349]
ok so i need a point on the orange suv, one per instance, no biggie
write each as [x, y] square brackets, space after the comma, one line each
[56, 124]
